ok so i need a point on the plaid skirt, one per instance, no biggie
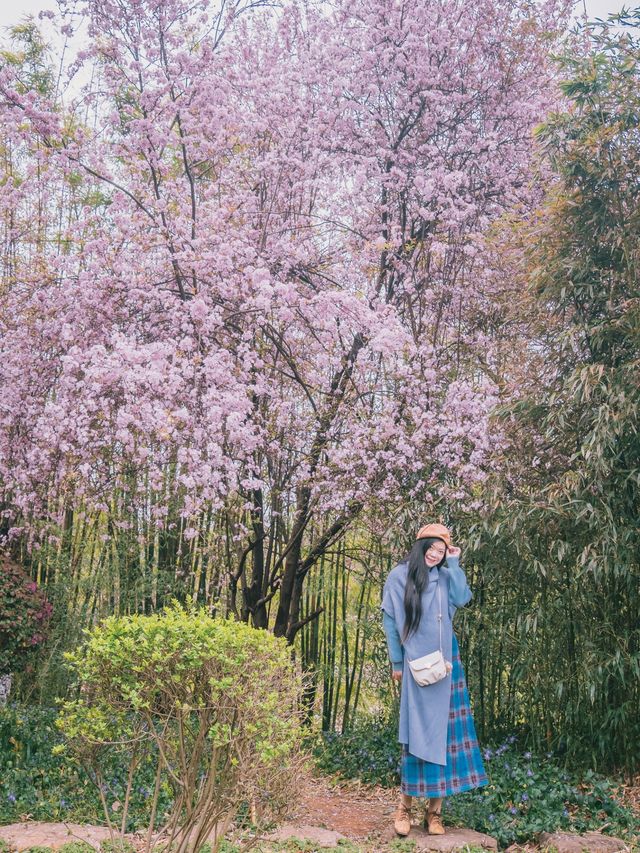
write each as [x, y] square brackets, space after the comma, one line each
[464, 768]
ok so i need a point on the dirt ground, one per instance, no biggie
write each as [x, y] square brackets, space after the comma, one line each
[353, 809]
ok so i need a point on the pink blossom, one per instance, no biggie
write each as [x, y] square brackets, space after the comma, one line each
[277, 255]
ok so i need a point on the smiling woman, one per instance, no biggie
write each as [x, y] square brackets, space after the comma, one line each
[440, 752]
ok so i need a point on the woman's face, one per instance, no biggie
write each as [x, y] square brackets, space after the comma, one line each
[434, 553]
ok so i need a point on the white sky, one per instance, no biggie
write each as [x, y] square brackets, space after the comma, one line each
[11, 13]
[602, 8]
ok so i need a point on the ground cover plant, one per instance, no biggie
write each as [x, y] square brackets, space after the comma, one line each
[36, 780]
[528, 794]
[368, 751]
[38, 848]
[117, 845]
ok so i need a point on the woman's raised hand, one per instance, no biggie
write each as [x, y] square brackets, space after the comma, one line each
[452, 551]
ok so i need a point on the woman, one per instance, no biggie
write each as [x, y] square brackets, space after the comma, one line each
[440, 752]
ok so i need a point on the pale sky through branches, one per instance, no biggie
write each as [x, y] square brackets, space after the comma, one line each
[12, 13]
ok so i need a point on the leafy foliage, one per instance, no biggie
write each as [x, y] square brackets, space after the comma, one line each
[117, 845]
[368, 751]
[528, 794]
[29, 54]
[584, 504]
[36, 778]
[38, 848]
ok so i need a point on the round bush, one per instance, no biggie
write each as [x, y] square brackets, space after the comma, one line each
[217, 699]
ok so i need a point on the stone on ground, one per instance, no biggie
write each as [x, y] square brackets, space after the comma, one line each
[593, 842]
[39, 833]
[454, 838]
[321, 837]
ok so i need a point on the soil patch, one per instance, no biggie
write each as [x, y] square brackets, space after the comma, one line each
[350, 808]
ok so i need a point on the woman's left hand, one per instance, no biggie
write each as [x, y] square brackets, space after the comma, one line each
[452, 551]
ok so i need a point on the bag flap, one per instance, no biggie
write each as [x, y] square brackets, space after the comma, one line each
[426, 662]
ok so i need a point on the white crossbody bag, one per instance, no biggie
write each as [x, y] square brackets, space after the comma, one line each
[432, 667]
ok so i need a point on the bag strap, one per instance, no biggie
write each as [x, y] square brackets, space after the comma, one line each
[440, 612]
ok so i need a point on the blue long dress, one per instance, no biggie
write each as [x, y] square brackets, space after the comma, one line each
[440, 751]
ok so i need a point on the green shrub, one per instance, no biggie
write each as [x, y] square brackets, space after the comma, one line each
[217, 699]
[4, 846]
[76, 847]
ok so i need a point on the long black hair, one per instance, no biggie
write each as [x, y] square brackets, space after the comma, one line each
[416, 580]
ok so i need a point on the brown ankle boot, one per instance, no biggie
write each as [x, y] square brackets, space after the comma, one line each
[402, 819]
[433, 823]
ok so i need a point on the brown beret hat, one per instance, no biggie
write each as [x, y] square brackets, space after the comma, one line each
[436, 531]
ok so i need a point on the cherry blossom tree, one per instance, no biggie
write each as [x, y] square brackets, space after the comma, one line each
[263, 304]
